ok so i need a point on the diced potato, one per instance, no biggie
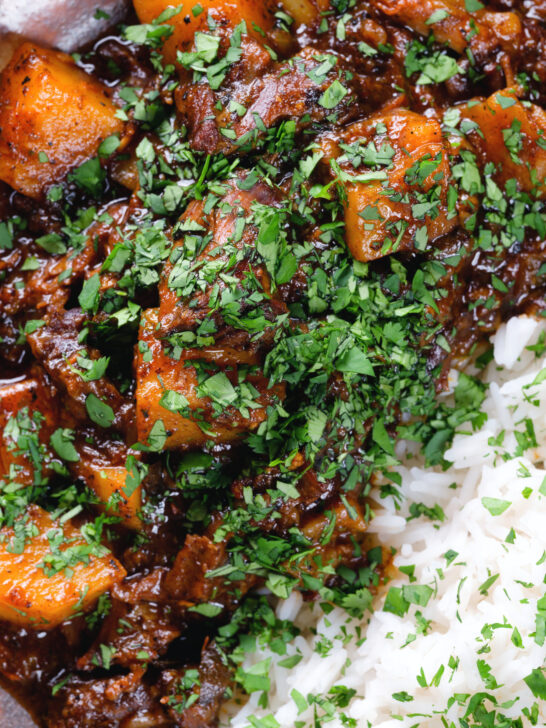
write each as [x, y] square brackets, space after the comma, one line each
[505, 28]
[161, 373]
[109, 482]
[125, 172]
[304, 12]
[374, 211]
[30, 598]
[345, 524]
[226, 14]
[27, 396]
[104, 468]
[506, 126]
[415, 13]
[456, 26]
[49, 107]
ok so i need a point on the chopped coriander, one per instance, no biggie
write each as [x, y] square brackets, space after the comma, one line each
[100, 412]
[496, 506]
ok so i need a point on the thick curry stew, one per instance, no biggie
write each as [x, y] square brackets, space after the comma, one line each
[241, 244]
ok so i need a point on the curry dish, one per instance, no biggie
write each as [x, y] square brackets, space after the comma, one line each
[241, 245]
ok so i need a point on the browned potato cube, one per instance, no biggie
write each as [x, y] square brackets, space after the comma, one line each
[378, 211]
[31, 598]
[456, 26]
[512, 135]
[109, 482]
[50, 110]
[226, 13]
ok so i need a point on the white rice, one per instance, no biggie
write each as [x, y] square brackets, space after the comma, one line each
[458, 645]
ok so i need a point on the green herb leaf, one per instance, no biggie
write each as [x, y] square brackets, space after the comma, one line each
[536, 682]
[334, 95]
[395, 602]
[90, 177]
[417, 594]
[99, 412]
[62, 442]
[355, 361]
[52, 243]
[219, 389]
[437, 16]
[109, 145]
[158, 436]
[472, 6]
[496, 506]
[89, 296]
[208, 609]
[403, 697]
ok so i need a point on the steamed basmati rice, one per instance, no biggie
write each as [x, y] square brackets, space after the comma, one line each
[473, 644]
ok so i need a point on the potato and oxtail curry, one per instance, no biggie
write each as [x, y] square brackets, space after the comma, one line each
[241, 244]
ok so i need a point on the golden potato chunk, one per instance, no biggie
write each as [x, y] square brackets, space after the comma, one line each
[53, 117]
[403, 203]
[109, 483]
[193, 17]
[456, 27]
[306, 12]
[512, 136]
[169, 402]
[31, 598]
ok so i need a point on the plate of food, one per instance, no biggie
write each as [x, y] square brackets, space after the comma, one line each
[273, 364]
